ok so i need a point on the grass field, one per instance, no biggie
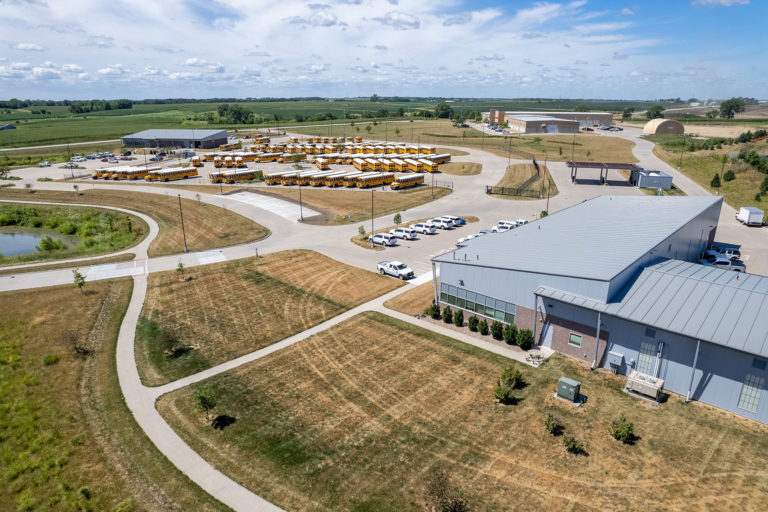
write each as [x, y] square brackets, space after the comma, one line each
[585, 147]
[356, 417]
[519, 175]
[230, 309]
[66, 432]
[363, 241]
[348, 206]
[206, 226]
[414, 301]
[461, 168]
[84, 263]
[88, 231]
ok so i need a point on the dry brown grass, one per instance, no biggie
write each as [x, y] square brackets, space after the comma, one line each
[461, 168]
[336, 205]
[363, 241]
[71, 264]
[356, 417]
[207, 226]
[517, 175]
[65, 425]
[230, 309]
[414, 301]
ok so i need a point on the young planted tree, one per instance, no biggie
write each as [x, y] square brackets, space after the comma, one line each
[497, 330]
[622, 430]
[205, 401]
[524, 339]
[553, 425]
[398, 219]
[361, 231]
[447, 315]
[573, 446]
[180, 269]
[472, 323]
[79, 279]
[715, 183]
[458, 318]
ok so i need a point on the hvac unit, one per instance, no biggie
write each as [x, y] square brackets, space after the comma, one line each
[645, 384]
[614, 360]
[568, 388]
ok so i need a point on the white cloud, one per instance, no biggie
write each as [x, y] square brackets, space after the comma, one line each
[28, 47]
[71, 68]
[209, 67]
[489, 58]
[113, 70]
[399, 20]
[626, 11]
[461, 18]
[102, 42]
[720, 3]
[321, 18]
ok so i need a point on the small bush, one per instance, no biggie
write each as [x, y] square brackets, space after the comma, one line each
[84, 492]
[729, 176]
[510, 334]
[483, 326]
[472, 323]
[504, 394]
[553, 425]
[497, 330]
[458, 318]
[572, 445]
[622, 430]
[50, 359]
[512, 377]
[715, 183]
[433, 311]
[524, 339]
[447, 315]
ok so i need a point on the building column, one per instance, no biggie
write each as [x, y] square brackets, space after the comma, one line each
[597, 342]
[535, 308]
[693, 371]
[434, 280]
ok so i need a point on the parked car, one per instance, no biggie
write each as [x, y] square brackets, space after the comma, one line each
[404, 233]
[510, 223]
[520, 222]
[153, 159]
[501, 228]
[466, 239]
[425, 228]
[44, 163]
[105, 159]
[457, 221]
[442, 223]
[728, 252]
[616, 129]
[723, 262]
[750, 216]
[384, 239]
[71, 165]
[125, 158]
[395, 269]
[91, 157]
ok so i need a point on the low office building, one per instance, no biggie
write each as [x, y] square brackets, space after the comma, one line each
[529, 120]
[541, 124]
[203, 139]
[622, 270]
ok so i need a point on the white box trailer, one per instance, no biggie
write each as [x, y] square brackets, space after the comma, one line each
[750, 216]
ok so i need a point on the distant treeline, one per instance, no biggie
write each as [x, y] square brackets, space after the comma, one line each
[79, 105]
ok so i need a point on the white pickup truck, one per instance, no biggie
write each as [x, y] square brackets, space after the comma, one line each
[395, 269]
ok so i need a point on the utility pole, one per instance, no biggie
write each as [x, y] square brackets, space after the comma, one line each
[371, 219]
[549, 184]
[680, 164]
[433, 185]
[573, 146]
[301, 207]
[183, 233]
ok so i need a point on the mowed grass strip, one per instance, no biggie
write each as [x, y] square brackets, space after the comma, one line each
[414, 301]
[518, 175]
[207, 226]
[461, 168]
[68, 440]
[339, 206]
[230, 309]
[356, 417]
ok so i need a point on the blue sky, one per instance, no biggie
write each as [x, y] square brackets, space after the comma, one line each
[236, 48]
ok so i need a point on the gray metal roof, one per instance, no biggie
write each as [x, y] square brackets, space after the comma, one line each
[178, 134]
[596, 239]
[541, 118]
[702, 302]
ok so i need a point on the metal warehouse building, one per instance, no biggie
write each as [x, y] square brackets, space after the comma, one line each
[542, 124]
[204, 139]
[620, 269]
[555, 122]
[663, 127]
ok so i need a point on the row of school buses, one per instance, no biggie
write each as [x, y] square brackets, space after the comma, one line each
[373, 162]
[343, 179]
[145, 173]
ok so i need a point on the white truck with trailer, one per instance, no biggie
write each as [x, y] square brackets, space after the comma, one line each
[395, 269]
[750, 216]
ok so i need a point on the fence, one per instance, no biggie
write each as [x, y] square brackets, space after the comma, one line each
[508, 191]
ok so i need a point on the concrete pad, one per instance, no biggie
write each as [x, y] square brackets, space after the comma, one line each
[279, 207]
[113, 270]
[208, 257]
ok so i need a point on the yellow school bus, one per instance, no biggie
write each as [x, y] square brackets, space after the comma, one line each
[273, 178]
[410, 180]
[358, 139]
[318, 180]
[322, 164]
[228, 147]
[288, 178]
[177, 173]
[196, 162]
[414, 165]
[228, 161]
[427, 150]
[335, 180]
[373, 164]
[360, 164]
[375, 179]
[216, 176]
[99, 173]
[269, 157]
[429, 165]
[350, 180]
[400, 165]
[239, 175]
[136, 174]
[217, 161]
[387, 165]
[440, 159]
[303, 177]
[239, 161]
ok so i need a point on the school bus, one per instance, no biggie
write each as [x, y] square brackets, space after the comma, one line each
[360, 164]
[228, 147]
[196, 161]
[133, 174]
[322, 164]
[411, 180]
[373, 164]
[303, 177]
[273, 178]
[440, 159]
[216, 176]
[284, 158]
[228, 161]
[217, 161]
[288, 178]
[261, 140]
[412, 150]
[401, 150]
[333, 158]
[374, 179]
[335, 180]
[400, 165]
[429, 165]
[294, 140]
[345, 158]
[387, 165]
[269, 157]
[99, 173]
[248, 156]
[178, 173]
[427, 150]
[414, 165]
[239, 161]
[318, 179]
[358, 139]
[350, 180]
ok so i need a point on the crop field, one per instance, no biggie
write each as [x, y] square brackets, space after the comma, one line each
[414, 301]
[68, 440]
[207, 226]
[347, 206]
[583, 147]
[357, 418]
[229, 309]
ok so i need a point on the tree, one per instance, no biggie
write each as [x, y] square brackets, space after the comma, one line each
[79, 279]
[711, 114]
[622, 430]
[4, 171]
[524, 339]
[483, 327]
[447, 315]
[76, 188]
[458, 318]
[497, 330]
[443, 110]
[180, 269]
[715, 183]
[361, 231]
[368, 128]
[572, 445]
[510, 334]
[655, 112]
[581, 107]
[627, 114]
[729, 176]
[398, 219]
[205, 401]
[512, 377]
[472, 323]
[441, 496]
[553, 425]
[729, 108]
[543, 213]
[374, 98]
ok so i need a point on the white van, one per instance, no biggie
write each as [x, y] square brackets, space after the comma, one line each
[425, 228]
[384, 239]
[510, 223]
[520, 222]
[404, 233]
[455, 220]
[442, 223]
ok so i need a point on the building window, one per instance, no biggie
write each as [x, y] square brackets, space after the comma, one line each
[574, 339]
[494, 309]
[650, 333]
[645, 358]
[758, 363]
[750, 392]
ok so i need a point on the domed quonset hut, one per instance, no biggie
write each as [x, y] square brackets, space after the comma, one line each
[663, 127]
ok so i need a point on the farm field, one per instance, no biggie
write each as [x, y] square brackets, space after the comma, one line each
[524, 175]
[207, 226]
[348, 206]
[585, 147]
[229, 309]
[69, 442]
[357, 418]
[414, 301]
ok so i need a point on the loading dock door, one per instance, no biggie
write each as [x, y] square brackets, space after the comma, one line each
[552, 128]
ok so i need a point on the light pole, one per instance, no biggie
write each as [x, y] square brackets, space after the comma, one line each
[573, 146]
[301, 207]
[371, 219]
[680, 164]
[433, 185]
[183, 233]
[549, 184]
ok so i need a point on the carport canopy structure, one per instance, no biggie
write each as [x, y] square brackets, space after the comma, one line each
[603, 166]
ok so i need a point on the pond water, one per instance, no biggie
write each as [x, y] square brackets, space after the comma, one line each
[17, 240]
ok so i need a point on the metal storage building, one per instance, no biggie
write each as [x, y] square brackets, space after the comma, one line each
[205, 139]
[663, 127]
[650, 179]
[541, 124]
[622, 270]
